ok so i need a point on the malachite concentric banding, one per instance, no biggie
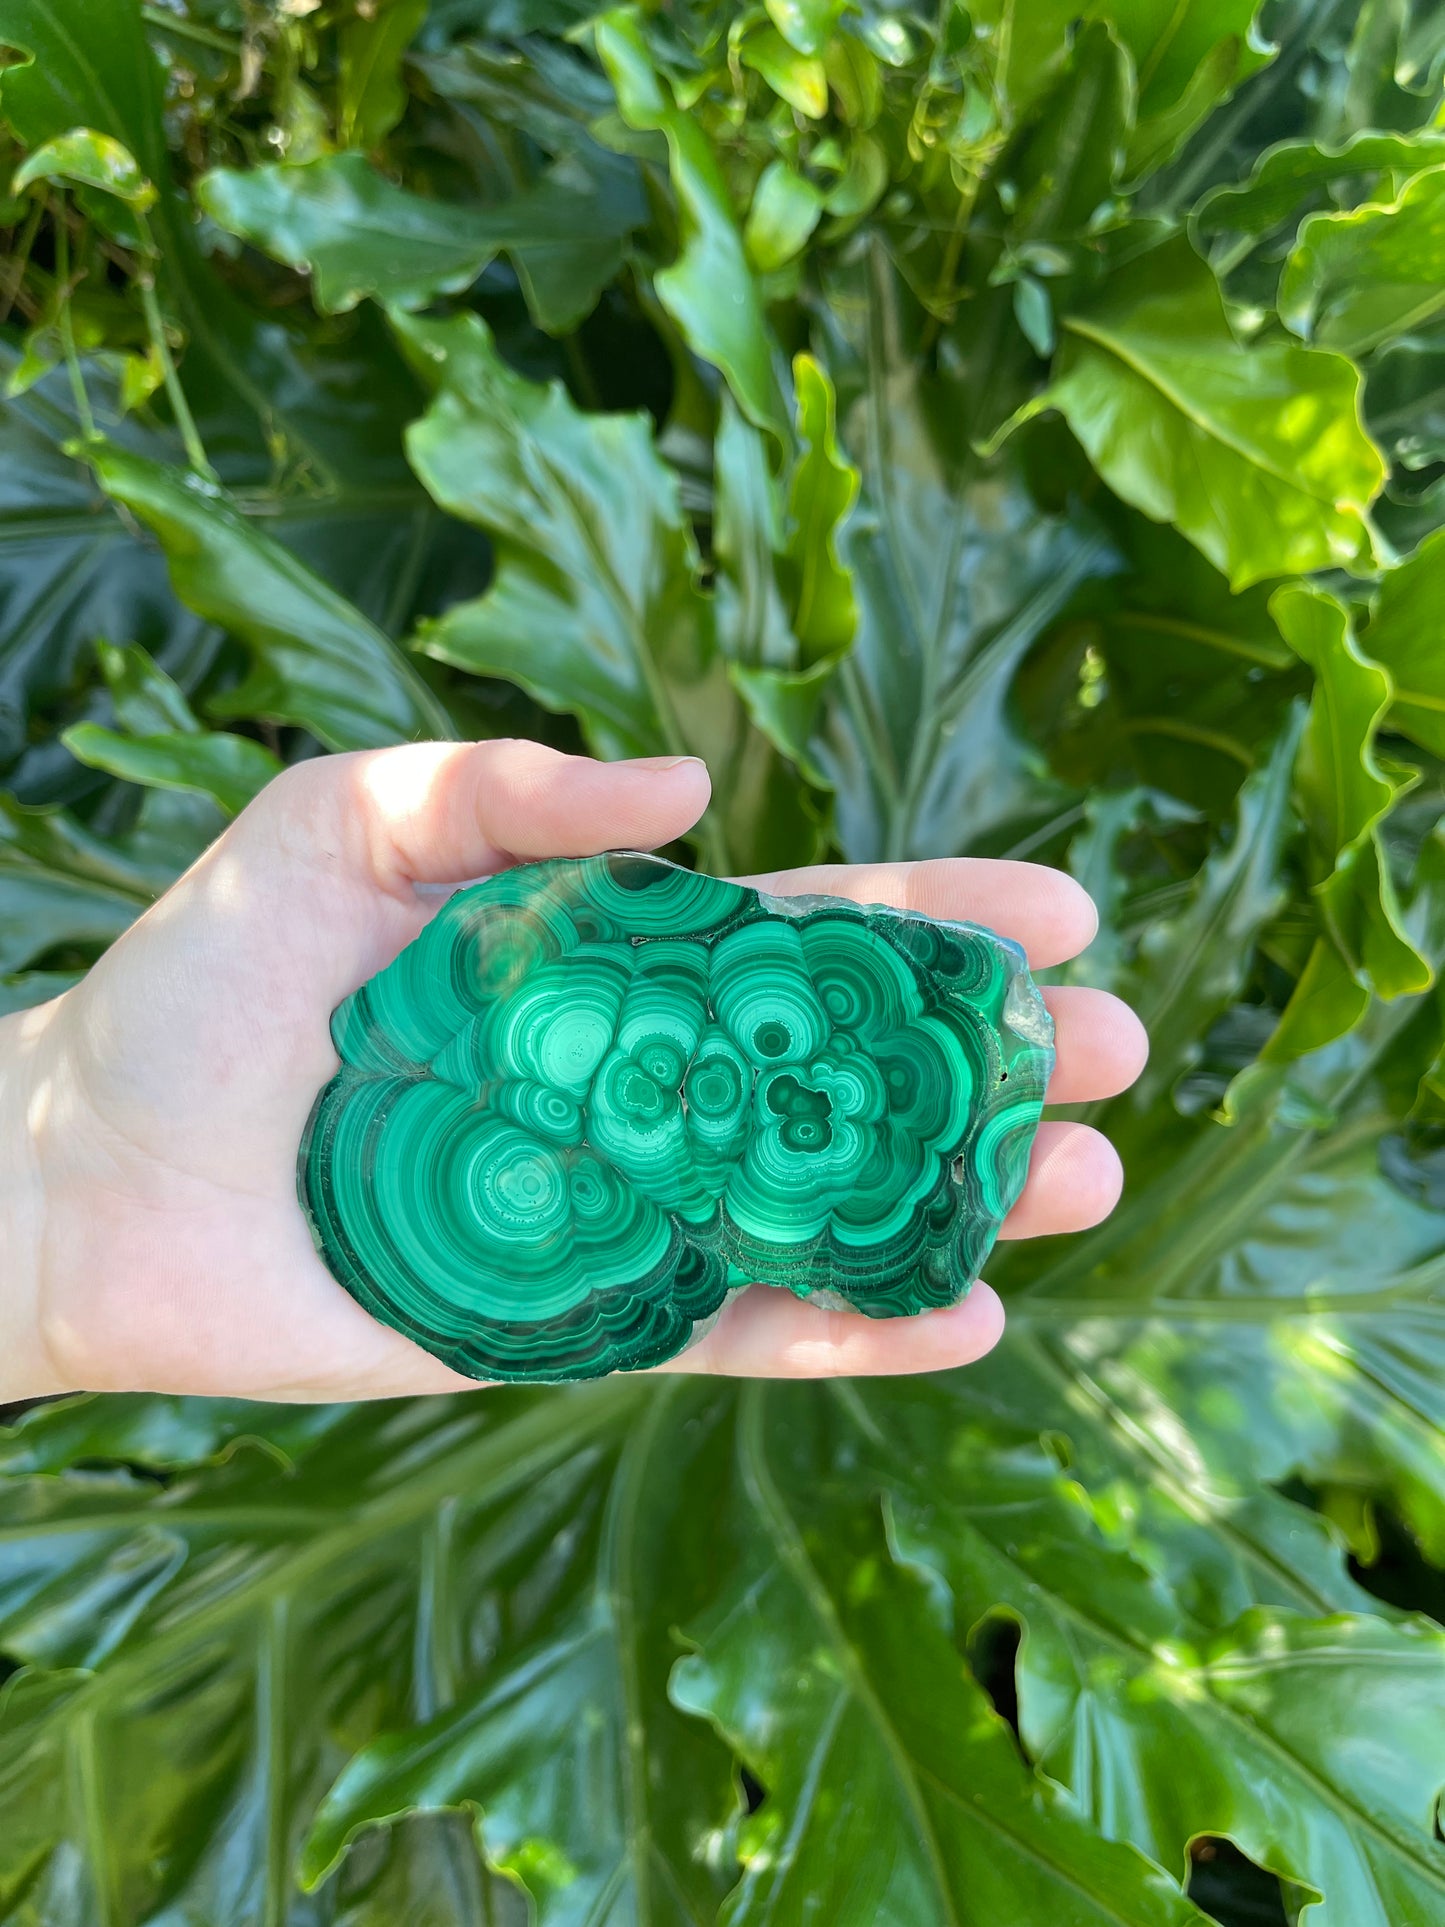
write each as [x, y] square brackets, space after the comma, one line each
[597, 1095]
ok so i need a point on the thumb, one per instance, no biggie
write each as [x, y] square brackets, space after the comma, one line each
[444, 812]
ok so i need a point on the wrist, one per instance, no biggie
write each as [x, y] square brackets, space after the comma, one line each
[26, 1368]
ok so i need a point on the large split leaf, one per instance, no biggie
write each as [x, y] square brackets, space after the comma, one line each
[1097, 1484]
[1285, 175]
[808, 1663]
[596, 606]
[359, 235]
[316, 660]
[205, 1677]
[1208, 1720]
[1185, 60]
[956, 573]
[1357, 279]
[1255, 453]
[1404, 638]
[1345, 796]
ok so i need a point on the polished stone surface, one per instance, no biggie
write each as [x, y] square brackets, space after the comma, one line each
[597, 1095]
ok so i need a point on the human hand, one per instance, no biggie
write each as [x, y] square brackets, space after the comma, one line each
[155, 1238]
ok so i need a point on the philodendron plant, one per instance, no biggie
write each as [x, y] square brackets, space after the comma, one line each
[1015, 429]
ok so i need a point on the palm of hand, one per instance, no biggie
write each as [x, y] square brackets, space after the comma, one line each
[174, 1084]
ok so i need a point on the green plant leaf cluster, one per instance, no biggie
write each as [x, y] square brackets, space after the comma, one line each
[1010, 431]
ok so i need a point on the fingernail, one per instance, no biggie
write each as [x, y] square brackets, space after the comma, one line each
[665, 762]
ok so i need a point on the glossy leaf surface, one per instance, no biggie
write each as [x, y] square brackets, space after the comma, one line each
[1256, 454]
[316, 660]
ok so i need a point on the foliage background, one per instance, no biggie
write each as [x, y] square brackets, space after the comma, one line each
[1017, 430]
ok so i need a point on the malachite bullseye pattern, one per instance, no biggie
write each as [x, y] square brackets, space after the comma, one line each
[596, 1096]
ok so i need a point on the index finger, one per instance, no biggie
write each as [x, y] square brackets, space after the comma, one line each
[1044, 910]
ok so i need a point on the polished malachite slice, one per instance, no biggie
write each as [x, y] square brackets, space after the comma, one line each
[597, 1095]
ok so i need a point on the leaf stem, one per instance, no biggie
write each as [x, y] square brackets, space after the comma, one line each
[584, 381]
[20, 258]
[944, 298]
[180, 407]
[67, 326]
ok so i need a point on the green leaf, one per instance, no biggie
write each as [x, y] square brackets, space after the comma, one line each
[147, 701]
[956, 573]
[87, 159]
[72, 567]
[799, 79]
[62, 887]
[1107, 1672]
[784, 596]
[1345, 795]
[821, 495]
[340, 221]
[349, 1578]
[1192, 965]
[824, 1665]
[160, 744]
[1187, 63]
[784, 608]
[229, 769]
[1288, 172]
[1065, 165]
[1123, 1700]
[70, 571]
[83, 85]
[753, 626]
[359, 235]
[708, 290]
[595, 607]
[806, 24]
[370, 49]
[1403, 636]
[1327, 1001]
[586, 203]
[512, 1748]
[1160, 675]
[1255, 453]
[1357, 279]
[574, 234]
[1186, 60]
[785, 209]
[315, 659]
[1219, 1271]
[1405, 401]
[141, 376]
[265, 396]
